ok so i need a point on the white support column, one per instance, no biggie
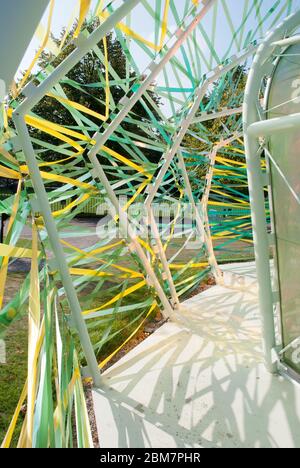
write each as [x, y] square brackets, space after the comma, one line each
[57, 249]
[201, 224]
[162, 255]
[35, 94]
[205, 200]
[127, 231]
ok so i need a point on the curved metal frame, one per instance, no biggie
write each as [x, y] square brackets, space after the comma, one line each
[256, 128]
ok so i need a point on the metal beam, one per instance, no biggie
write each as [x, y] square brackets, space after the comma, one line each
[35, 94]
[287, 41]
[101, 138]
[278, 124]
[83, 47]
[204, 117]
[128, 232]
[57, 248]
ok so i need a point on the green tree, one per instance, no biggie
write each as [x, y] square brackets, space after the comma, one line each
[90, 70]
[228, 92]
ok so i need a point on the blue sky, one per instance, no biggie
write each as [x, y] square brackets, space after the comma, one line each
[145, 26]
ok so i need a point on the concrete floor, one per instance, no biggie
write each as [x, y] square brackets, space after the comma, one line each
[202, 384]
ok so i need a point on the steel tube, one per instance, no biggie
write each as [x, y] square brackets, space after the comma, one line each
[57, 249]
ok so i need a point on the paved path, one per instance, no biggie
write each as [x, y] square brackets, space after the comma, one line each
[202, 384]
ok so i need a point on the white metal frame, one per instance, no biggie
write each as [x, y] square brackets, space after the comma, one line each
[256, 129]
[33, 95]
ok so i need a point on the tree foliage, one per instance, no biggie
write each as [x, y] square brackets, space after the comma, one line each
[84, 84]
[228, 92]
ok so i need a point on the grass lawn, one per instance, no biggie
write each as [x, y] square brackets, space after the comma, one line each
[13, 375]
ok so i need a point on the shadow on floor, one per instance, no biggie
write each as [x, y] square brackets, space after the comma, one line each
[202, 385]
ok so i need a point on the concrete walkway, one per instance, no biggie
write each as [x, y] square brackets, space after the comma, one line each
[202, 384]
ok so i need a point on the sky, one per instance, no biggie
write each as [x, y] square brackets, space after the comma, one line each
[143, 23]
